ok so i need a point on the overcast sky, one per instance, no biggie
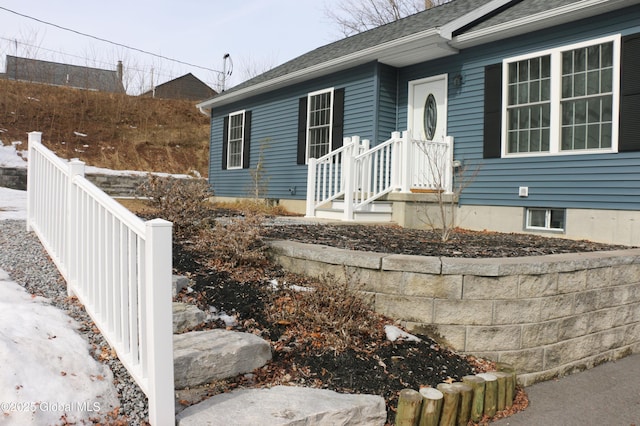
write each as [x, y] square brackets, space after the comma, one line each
[258, 34]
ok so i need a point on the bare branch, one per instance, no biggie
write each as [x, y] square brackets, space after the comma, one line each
[355, 16]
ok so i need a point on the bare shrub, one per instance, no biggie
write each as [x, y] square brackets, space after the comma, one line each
[335, 313]
[185, 202]
[235, 242]
[448, 184]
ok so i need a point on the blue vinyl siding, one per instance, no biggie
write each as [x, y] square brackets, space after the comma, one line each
[275, 124]
[387, 103]
[602, 181]
[376, 98]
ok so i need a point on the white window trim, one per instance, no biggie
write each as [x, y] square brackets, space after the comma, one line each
[241, 140]
[547, 220]
[556, 95]
[309, 96]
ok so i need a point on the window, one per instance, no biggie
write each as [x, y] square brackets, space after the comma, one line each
[545, 219]
[563, 100]
[236, 140]
[236, 137]
[319, 123]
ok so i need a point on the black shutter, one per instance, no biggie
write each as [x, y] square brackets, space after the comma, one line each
[338, 119]
[302, 131]
[492, 147]
[246, 143]
[225, 141]
[629, 135]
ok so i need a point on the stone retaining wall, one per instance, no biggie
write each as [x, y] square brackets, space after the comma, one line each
[547, 315]
[14, 178]
[115, 185]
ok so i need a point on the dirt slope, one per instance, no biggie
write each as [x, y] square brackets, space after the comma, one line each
[115, 131]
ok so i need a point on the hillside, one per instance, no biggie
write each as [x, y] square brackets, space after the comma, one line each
[114, 131]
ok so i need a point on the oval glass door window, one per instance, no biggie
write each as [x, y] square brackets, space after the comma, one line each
[430, 116]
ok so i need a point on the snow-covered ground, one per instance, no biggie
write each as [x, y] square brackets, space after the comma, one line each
[47, 375]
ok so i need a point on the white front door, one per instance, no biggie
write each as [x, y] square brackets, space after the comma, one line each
[427, 122]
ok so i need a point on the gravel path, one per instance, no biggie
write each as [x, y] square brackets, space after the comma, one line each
[25, 260]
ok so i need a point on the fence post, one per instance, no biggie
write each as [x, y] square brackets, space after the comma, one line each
[159, 325]
[76, 168]
[311, 187]
[34, 138]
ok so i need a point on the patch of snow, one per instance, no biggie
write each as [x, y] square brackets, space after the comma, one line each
[275, 286]
[394, 333]
[229, 320]
[80, 134]
[10, 157]
[13, 204]
[48, 373]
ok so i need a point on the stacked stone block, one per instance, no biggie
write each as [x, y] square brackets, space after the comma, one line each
[545, 315]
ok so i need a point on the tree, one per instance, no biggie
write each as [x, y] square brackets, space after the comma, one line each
[354, 16]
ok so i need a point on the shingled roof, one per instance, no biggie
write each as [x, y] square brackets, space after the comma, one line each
[187, 87]
[430, 34]
[58, 74]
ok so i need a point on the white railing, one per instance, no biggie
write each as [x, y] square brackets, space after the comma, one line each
[118, 266]
[374, 172]
[431, 166]
[326, 175]
[399, 164]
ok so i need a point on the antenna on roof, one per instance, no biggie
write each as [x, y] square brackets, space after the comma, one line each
[226, 72]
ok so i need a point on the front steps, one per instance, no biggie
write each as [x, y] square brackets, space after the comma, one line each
[377, 211]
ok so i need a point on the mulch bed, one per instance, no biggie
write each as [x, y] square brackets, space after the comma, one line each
[462, 243]
[375, 365]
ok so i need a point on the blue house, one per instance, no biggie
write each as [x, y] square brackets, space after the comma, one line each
[525, 114]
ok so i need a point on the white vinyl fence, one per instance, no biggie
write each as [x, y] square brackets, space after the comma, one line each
[117, 265]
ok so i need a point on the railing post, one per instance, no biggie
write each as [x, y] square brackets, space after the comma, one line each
[346, 143]
[76, 168]
[396, 158]
[348, 170]
[407, 164]
[311, 187]
[34, 138]
[159, 326]
[448, 166]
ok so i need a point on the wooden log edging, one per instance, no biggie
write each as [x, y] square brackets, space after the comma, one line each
[548, 316]
[477, 397]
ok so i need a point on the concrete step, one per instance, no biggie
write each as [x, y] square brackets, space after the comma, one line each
[378, 211]
[375, 206]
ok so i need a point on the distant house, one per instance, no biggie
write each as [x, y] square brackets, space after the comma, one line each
[57, 74]
[187, 87]
[541, 99]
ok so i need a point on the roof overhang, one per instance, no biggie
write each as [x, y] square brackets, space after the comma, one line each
[429, 44]
[413, 49]
[549, 18]
[419, 47]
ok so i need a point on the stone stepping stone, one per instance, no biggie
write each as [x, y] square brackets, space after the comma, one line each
[201, 357]
[286, 405]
